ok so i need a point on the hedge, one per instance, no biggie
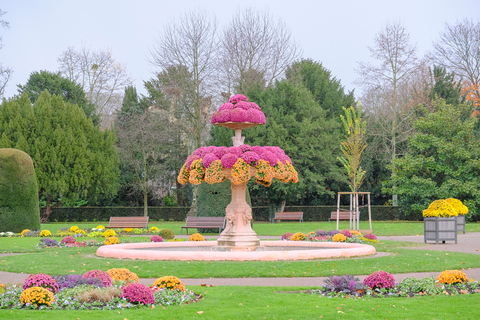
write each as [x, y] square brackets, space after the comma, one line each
[311, 213]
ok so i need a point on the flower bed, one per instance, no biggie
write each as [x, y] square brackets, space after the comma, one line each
[78, 292]
[350, 236]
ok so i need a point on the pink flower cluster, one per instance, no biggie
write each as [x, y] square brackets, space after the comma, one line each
[370, 236]
[102, 275]
[379, 280]
[238, 109]
[156, 238]
[228, 156]
[41, 280]
[138, 293]
[346, 233]
[68, 239]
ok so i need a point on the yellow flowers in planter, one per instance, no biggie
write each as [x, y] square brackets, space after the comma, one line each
[109, 233]
[339, 238]
[111, 240]
[445, 208]
[196, 237]
[45, 233]
[452, 277]
[299, 236]
[169, 282]
[37, 296]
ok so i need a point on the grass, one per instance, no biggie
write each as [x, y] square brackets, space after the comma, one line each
[231, 302]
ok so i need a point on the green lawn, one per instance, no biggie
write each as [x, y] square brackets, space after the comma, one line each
[271, 303]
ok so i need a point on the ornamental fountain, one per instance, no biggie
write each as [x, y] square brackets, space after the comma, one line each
[238, 163]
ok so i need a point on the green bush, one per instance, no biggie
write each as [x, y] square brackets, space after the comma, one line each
[19, 208]
[166, 234]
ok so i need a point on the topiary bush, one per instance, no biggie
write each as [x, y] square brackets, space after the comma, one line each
[19, 207]
[166, 234]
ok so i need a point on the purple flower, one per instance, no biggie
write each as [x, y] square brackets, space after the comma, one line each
[102, 275]
[228, 160]
[226, 106]
[333, 232]
[208, 159]
[320, 232]
[156, 238]
[138, 293]
[250, 157]
[238, 97]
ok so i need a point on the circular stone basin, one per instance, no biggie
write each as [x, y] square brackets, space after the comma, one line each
[206, 250]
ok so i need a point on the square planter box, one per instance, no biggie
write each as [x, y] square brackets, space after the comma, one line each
[440, 229]
[461, 223]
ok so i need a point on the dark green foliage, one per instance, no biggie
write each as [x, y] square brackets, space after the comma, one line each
[166, 234]
[19, 207]
[442, 162]
[55, 84]
[446, 87]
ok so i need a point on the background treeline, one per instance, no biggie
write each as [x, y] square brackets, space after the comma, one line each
[96, 142]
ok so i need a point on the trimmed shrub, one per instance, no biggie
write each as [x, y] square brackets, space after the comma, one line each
[166, 234]
[19, 207]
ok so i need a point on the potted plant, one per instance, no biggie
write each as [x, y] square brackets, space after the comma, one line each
[440, 222]
[462, 212]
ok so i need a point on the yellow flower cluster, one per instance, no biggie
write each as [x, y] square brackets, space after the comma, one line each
[153, 230]
[111, 240]
[240, 172]
[452, 276]
[196, 237]
[265, 173]
[109, 233]
[24, 232]
[45, 233]
[214, 174]
[128, 230]
[197, 172]
[100, 227]
[73, 228]
[123, 274]
[457, 205]
[299, 236]
[2, 288]
[80, 231]
[339, 238]
[355, 233]
[169, 282]
[440, 208]
[37, 296]
[184, 174]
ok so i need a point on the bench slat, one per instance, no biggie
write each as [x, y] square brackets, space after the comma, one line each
[288, 216]
[342, 215]
[128, 222]
[205, 223]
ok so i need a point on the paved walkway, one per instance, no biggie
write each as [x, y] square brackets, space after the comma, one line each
[468, 243]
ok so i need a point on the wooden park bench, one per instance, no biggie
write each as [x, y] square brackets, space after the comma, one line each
[205, 223]
[298, 216]
[342, 215]
[128, 222]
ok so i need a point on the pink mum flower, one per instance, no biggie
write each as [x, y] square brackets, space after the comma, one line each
[208, 159]
[228, 160]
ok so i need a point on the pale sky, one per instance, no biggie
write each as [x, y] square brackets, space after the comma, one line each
[334, 33]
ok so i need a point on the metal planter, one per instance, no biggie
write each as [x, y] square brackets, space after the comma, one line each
[440, 229]
[461, 223]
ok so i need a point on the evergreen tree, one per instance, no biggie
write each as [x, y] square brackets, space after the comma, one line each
[73, 159]
[445, 87]
[60, 86]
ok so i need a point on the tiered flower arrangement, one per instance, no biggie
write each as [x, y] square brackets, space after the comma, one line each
[238, 109]
[452, 277]
[206, 164]
[123, 274]
[442, 208]
[196, 237]
[169, 282]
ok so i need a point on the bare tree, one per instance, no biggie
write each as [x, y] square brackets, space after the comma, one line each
[102, 78]
[5, 73]
[387, 86]
[255, 49]
[458, 50]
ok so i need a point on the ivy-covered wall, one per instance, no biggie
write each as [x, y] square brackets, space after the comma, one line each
[19, 208]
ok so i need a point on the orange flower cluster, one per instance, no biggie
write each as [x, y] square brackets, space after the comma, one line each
[240, 172]
[339, 238]
[265, 173]
[123, 274]
[299, 236]
[111, 240]
[37, 296]
[197, 172]
[169, 282]
[184, 174]
[452, 276]
[196, 237]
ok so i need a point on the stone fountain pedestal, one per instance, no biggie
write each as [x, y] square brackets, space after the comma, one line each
[238, 234]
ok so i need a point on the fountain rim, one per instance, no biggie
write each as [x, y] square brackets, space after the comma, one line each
[336, 250]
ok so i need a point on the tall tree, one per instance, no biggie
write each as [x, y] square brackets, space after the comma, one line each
[446, 86]
[458, 50]
[60, 86]
[5, 73]
[254, 49]
[326, 89]
[102, 78]
[73, 159]
[442, 161]
[386, 87]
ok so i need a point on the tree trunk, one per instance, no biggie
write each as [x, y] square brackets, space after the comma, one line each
[145, 203]
[48, 210]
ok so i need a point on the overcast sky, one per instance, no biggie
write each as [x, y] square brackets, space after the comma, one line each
[334, 33]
